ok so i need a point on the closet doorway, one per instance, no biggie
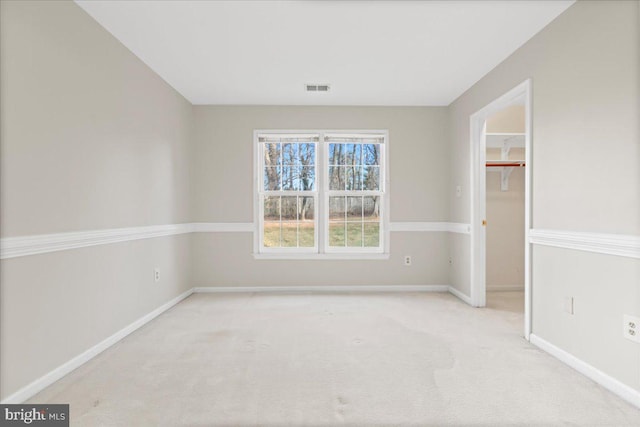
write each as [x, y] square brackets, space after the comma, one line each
[501, 203]
[505, 172]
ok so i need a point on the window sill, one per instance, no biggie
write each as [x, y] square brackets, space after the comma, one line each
[320, 257]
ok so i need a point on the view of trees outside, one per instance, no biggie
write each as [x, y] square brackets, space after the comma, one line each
[353, 175]
[354, 167]
[289, 166]
[289, 220]
[354, 220]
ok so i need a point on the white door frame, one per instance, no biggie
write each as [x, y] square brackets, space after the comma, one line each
[478, 286]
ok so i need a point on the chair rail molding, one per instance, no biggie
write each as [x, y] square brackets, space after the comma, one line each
[626, 245]
[13, 247]
[222, 227]
[451, 227]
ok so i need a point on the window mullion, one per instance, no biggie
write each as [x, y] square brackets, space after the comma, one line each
[322, 220]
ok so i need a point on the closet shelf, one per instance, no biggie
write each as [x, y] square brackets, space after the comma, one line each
[501, 140]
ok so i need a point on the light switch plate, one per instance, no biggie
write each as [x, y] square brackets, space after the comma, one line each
[568, 305]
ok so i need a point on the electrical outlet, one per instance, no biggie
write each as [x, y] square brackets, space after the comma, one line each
[407, 260]
[631, 328]
[450, 261]
[156, 275]
[568, 305]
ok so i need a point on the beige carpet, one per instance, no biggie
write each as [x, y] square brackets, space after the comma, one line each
[334, 359]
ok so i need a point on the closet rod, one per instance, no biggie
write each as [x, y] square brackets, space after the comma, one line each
[503, 165]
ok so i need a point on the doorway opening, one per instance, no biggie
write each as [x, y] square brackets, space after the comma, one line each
[501, 200]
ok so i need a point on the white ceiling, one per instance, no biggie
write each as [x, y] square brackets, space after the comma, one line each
[371, 53]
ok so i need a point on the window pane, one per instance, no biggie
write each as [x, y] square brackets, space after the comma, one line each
[371, 175]
[336, 208]
[306, 224]
[289, 209]
[337, 155]
[353, 154]
[371, 154]
[371, 218]
[290, 154]
[354, 234]
[354, 209]
[272, 178]
[336, 233]
[272, 208]
[307, 178]
[306, 154]
[336, 178]
[371, 208]
[306, 207]
[271, 237]
[353, 178]
[371, 234]
[289, 234]
[290, 178]
[271, 234]
[307, 161]
[272, 154]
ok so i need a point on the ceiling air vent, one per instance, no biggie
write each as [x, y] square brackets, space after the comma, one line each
[317, 87]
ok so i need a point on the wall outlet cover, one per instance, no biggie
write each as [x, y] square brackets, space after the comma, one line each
[631, 325]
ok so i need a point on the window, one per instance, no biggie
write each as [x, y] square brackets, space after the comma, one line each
[321, 194]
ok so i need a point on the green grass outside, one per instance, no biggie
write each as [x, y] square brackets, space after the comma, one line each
[303, 236]
[354, 234]
[290, 235]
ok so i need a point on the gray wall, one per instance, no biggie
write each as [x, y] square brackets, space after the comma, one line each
[223, 192]
[586, 157]
[91, 139]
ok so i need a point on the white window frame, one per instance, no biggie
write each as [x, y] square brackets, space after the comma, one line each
[259, 170]
[321, 250]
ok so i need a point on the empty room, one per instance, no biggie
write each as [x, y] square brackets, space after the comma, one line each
[319, 213]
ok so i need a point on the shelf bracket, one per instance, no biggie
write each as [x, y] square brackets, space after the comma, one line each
[504, 152]
[505, 172]
[504, 178]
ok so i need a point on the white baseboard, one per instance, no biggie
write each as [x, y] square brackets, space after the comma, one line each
[627, 393]
[504, 288]
[346, 288]
[613, 385]
[46, 380]
[460, 295]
